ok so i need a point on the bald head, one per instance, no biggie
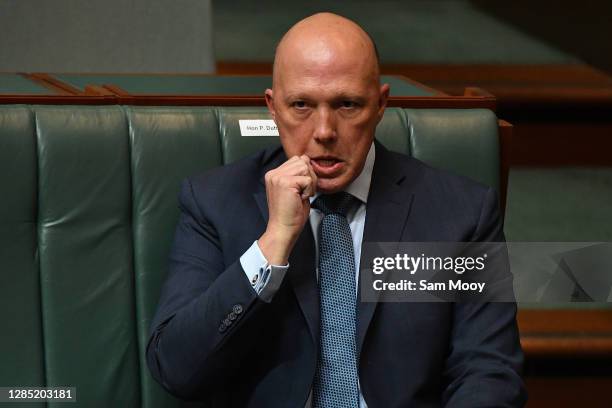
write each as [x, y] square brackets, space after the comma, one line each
[326, 40]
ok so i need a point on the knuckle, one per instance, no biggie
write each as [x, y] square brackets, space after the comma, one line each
[282, 182]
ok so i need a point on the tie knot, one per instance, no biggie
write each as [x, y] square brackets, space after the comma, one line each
[337, 203]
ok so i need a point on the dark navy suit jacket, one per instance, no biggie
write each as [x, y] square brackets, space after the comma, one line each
[214, 340]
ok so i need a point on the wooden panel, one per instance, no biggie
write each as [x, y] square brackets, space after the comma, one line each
[554, 321]
[569, 333]
[516, 86]
[235, 68]
[22, 84]
[52, 83]
[585, 345]
[208, 85]
[537, 73]
[58, 100]
[568, 392]
[107, 92]
[519, 87]
[576, 74]
[559, 142]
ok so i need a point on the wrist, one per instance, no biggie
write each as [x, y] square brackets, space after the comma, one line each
[276, 246]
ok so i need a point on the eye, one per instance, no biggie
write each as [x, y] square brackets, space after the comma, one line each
[348, 104]
[299, 104]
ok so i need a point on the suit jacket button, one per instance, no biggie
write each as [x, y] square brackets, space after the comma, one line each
[237, 309]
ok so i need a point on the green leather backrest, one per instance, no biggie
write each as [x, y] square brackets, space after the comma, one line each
[85, 252]
[459, 140]
[167, 144]
[21, 338]
[89, 205]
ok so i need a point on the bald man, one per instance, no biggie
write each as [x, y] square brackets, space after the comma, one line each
[242, 320]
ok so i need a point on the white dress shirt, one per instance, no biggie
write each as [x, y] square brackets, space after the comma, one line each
[266, 279]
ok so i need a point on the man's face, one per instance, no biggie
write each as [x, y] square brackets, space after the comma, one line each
[327, 107]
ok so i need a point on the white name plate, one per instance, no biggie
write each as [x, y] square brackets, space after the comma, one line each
[259, 127]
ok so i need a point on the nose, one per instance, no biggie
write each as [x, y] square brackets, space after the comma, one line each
[325, 126]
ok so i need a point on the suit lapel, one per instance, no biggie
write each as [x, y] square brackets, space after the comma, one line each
[303, 279]
[301, 273]
[271, 160]
[387, 210]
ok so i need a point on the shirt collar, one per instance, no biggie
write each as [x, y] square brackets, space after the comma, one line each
[360, 187]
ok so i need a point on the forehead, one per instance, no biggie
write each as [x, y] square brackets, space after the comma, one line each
[325, 70]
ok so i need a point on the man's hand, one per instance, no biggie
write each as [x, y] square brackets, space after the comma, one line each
[288, 188]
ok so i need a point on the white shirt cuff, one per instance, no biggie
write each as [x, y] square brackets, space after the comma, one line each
[264, 278]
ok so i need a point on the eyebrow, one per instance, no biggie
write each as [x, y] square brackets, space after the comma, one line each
[341, 96]
[295, 95]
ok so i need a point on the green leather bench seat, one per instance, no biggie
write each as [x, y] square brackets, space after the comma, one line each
[204, 85]
[89, 205]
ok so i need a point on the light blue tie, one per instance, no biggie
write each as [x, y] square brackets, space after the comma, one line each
[335, 383]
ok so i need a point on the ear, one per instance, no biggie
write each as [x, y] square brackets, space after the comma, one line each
[382, 99]
[270, 102]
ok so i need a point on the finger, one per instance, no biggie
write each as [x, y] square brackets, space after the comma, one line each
[301, 184]
[307, 192]
[289, 163]
[296, 160]
[295, 168]
[313, 189]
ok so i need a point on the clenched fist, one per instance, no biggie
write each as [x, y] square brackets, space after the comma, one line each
[288, 188]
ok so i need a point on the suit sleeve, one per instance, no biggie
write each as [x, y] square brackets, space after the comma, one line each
[198, 335]
[485, 359]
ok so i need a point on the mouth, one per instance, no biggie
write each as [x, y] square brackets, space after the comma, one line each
[326, 166]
